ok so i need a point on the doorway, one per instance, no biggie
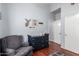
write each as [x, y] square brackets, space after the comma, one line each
[56, 25]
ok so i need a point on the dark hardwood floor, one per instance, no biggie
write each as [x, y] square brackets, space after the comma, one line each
[44, 52]
[51, 49]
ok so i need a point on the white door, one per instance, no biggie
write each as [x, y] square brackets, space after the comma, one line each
[72, 33]
[56, 31]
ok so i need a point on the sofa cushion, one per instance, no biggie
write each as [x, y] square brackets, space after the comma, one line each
[14, 41]
[10, 52]
[23, 51]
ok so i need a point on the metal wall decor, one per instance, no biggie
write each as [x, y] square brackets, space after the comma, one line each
[27, 22]
[32, 23]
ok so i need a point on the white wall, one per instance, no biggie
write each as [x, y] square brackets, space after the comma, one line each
[0, 6]
[4, 29]
[0, 24]
[17, 14]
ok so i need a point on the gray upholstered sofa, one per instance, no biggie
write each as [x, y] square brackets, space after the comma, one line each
[14, 46]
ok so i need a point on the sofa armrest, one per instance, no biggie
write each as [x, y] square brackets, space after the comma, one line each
[24, 51]
[10, 52]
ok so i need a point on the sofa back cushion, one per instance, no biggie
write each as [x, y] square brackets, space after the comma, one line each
[13, 42]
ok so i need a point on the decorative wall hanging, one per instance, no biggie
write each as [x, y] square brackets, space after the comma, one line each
[40, 22]
[32, 23]
[27, 22]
